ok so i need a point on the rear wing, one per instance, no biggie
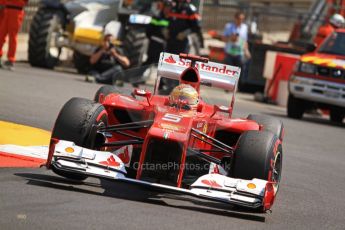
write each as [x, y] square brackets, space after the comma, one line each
[211, 73]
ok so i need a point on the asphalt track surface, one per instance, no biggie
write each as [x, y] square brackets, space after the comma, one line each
[311, 195]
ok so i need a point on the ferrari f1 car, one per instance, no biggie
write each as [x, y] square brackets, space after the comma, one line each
[177, 143]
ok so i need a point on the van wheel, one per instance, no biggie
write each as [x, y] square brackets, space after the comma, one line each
[295, 108]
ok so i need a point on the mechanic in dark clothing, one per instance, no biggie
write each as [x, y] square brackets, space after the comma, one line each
[157, 31]
[184, 20]
[107, 63]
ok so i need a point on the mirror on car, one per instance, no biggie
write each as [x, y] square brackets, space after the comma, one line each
[142, 93]
[220, 108]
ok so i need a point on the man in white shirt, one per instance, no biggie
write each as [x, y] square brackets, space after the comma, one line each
[237, 27]
[236, 45]
[235, 37]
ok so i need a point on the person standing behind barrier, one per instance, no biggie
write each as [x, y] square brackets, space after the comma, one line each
[336, 21]
[11, 18]
[157, 30]
[236, 45]
[184, 20]
[237, 26]
[236, 49]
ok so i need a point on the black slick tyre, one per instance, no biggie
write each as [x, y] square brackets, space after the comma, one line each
[258, 154]
[109, 89]
[269, 123]
[77, 122]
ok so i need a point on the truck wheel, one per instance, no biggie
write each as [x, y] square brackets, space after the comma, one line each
[135, 46]
[46, 28]
[108, 89]
[337, 115]
[81, 62]
[295, 108]
[258, 155]
[269, 123]
[77, 122]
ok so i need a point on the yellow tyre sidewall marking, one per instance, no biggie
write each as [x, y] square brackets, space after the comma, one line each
[11, 133]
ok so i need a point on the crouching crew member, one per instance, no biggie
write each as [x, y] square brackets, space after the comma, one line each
[107, 64]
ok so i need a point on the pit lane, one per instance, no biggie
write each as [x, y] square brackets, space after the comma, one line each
[311, 195]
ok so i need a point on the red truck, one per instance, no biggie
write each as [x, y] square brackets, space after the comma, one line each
[318, 80]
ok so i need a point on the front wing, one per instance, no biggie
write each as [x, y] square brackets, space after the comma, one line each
[255, 193]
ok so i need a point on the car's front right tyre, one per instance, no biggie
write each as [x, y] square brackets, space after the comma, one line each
[258, 154]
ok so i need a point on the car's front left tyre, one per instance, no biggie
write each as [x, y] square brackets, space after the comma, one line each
[78, 121]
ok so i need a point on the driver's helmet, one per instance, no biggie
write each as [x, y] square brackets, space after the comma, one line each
[337, 20]
[184, 94]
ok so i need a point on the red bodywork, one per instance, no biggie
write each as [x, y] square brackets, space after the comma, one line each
[171, 124]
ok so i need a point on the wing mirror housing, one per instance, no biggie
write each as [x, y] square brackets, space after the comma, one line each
[220, 108]
[143, 93]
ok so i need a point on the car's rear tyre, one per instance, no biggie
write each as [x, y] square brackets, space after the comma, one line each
[77, 122]
[269, 123]
[295, 107]
[258, 155]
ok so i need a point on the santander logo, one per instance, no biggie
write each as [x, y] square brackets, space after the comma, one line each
[211, 183]
[124, 156]
[110, 162]
[170, 60]
[220, 69]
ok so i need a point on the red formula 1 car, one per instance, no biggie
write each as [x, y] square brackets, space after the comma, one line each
[177, 143]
